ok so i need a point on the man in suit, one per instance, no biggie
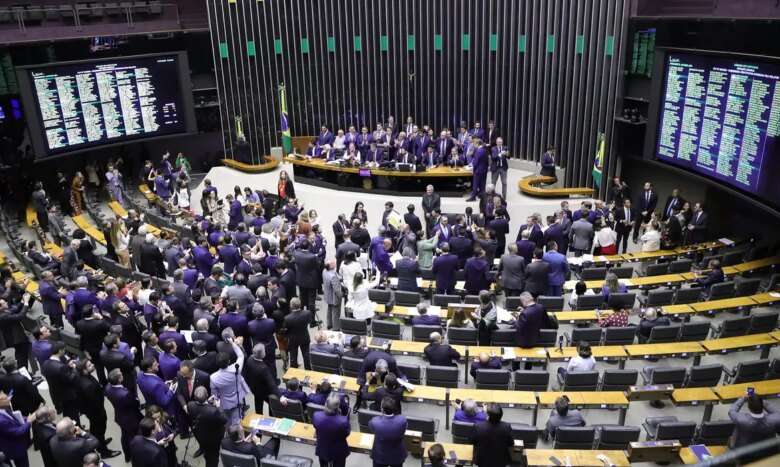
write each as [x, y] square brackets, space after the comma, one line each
[581, 236]
[112, 358]
[228, 254]
[307, 274]
[332, 429]
[499, 165]
[430, 158]
[618, 192]
[43, 430]
[347, 245]
[172, 255]
[430, 201]
[624, 223]
[71, 444]
[440, 354]
[535, 233]
[204, 261]
[647, 203]
[227, 384]
[204, 359]
[407, 269]
[237, 441]
[389, 448]
[151, 260]
[760, 423]
[154, 389]
[444, 268]
[208, 424]
[51, 298]
[492, 134]
[423, 318]
[563, 416]
[93, 330]
[26, 397]
[480, 169]
[511, 272]
[529, 321]
[259, 377]
[61, 377]
[92, 405]
[673, 204]
[127, 411]
[492, 439]
[70, 260]
[525, 247]
[373, 370]
[14, 433]
[697, 227]
[187, 381]
[555, 233]
[411, 219]
[536, 274]
[297, 325]
[145, 449]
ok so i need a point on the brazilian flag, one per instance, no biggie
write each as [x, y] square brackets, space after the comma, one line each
[598, 161]
[286, 137]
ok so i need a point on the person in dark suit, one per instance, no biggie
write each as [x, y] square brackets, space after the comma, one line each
[26, 398]
[93, 330]
[204, 359]
[14, 433]
[237, 441]
[70, 260]
[145, 449]
[71, 444]
[673, 204]
[259, 377]
[332, 429]
[61, 377]
[51, 298]
[151, 259]
[537, 275]
[559, 269]
[492, 439]
[91, 404]
[646, 203]
[43, 430]
[526, 247]
[208, 422]
[618, 192]
[444, 268]
[374, 371]
[127, 409]
[423, 318]
[476, 269]
[112, 358]
[411, 219]
[407, 269]
[697, 227]
[625, 217]
[529, 321]
[307, 275]
[339, 228]
[480, 169]
[188, 380]
[389, 449]
[511, 272]
[714, 276]
[430, 201]
[296, 325]
[461, 245]
[440, 354]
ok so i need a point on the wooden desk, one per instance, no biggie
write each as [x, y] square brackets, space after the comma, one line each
[694, 397]
[646, 255]
[732, 392]
[599, 352]
[689, 458]
[728, 344]
[148, 194]
[464, 452]
[585, 399]
[530, 186]
[512, 399]
[682, 349]
[436, 172]
[82, 223]
[766, 298]
[677, 310]
[576, 317]
[575, 457]
[269, 163]
[758, 264]
[663, 279]
[711, 306]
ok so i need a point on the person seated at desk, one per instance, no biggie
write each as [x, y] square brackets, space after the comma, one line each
[351, 156]
[440, 354]
[294, 392]
[405, 157]
[612, 285]
[486, 362]
[461, 319]
[423, 318]
[339, 144]
[323, 391]
[714, 276]
[238, 442]
[762, 422]
[376, 366]
[436, 456]
[562, 416]
[584, 361]
[618, 318]
[43, 260]
[468, 412]
[430, 159]
[391, 389]
[357, 348]
[322, 345]
[580, 289]
[650, 319]
[374, 157]
[454, 159]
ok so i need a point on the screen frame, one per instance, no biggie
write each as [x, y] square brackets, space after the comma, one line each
[653, 117]
[34, 119]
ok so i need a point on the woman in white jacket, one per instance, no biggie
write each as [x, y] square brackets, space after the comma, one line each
[358, 302]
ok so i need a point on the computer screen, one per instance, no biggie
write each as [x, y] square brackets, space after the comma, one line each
[719, 116]
[80, 105]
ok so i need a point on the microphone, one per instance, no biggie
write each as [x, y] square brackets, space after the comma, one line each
[560, 344]
[236, 367]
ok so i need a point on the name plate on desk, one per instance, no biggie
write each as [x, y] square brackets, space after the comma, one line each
[649, 393]
[653, 451]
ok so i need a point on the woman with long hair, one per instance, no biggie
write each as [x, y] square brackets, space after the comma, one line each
[359, 213]
[284, 187]
[77, 194]
[163, 431]
[120, 238]
[358, 302]
[612, 285]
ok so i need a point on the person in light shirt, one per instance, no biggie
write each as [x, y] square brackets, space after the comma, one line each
[605, 242]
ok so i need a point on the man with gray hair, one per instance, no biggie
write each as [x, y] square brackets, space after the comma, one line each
[43, 430]
[259, 377]
[208, 422]
[468, 412]
[440, 354]
[332, 294]
[529, 321]
[202, 333]
[423, 318]
[151, 260]
[70, 260]
[71, 443]
[511, 272]
[332, 430]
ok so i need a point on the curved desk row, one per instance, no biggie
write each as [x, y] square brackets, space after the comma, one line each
[531, 187]
[269, 164]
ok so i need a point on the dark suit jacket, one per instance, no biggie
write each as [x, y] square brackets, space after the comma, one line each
[208, 423]
[431, 202]
[71, 452]
[26, 396]
[151, 261]
[444, 268]
[90, 396]
[413, 221]
[441, 355]
[42, 435]
[127, 411]
[147, 453]
[307, 271]
[536, 277]
[528, 325]
[620, 217]
[699, 232]
[297, 325]
[62, 382]
[69, 263]
[647, 205]
[389, 447]
[207, 337]
[407, 270]
[201, 378]
[206, 362]
[492, 443]
[332, 432]
[674, 203]
[260, 379]
[245, 447]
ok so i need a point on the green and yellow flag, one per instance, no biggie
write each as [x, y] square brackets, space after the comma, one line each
[286, 136]
[598, 161]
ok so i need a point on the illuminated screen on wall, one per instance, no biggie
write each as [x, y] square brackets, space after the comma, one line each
[719, 116]
[81, 105]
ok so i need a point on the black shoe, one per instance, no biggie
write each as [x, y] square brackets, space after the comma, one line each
[472, 199]
[108, 441]
[109, 453]
[198, 453]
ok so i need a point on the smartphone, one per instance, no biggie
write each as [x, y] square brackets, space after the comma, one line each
[751, 391]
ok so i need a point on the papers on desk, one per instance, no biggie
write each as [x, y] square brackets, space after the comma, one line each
[395, 257]
[727, 242]
[187, 335]
[508, 353]
[283, 426]
[262, 423]
[503, 316]
[700, 451]
[366, 440]
[406, 385]
[774, 294]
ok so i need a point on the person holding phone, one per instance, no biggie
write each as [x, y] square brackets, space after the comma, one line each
[762, 421]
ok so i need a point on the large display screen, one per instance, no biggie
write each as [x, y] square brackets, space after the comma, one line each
[720, 116]
[81, 105]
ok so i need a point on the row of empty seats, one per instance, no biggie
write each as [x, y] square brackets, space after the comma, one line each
[92, 10]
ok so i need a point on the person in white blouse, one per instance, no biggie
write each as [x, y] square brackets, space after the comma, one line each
[606, 239]
[583, 361]
[580, 289]
[349, 267]
[651, 239]
[358, 302]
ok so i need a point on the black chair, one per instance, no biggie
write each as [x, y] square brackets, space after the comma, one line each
[623, 300]
[694, 332]
[351, 366]
[547, 338]
[471, 299]
[732, 258]
[664, 334]
[525, 433]
[732, 327]
[463, 336]
[685, 296]
[427, 274]
[353, 326]
[743, 286]
[422, 333]
[234, 459]
[747, 372]
[404, 298]
[704, 376]
[593, 274]
[657, 269]
[774, 371]
[574, 437]
[669, 428]
[618, 380]
[722, 290]
[579, 381]
[444, 300]
[664, 375]
[386, 329]
[774, 282]
[623, 272]
[589, 302]
[531, 380]
[462, 432]
[619, 335]
[325, 362]
[365, 416]
[311, 409]
[442, 376]
[427, 426]
[293, 409]
[503, 338]
[551, 303]
[761, 322]
[513, 303]
[382, 296]
[412, 372]
[658, 298]
[616, 437]
[492, 379]
[590, 335]
[717, 433]
[680, 266]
